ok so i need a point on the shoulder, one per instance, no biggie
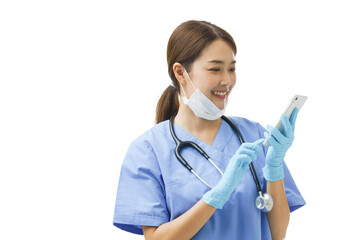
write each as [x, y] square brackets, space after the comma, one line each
[242, 121]
[146, 149]
[245, 123]
[153, 137]
[251, 130]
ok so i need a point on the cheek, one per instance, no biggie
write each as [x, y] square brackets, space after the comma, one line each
[210, 81]
[233, 80]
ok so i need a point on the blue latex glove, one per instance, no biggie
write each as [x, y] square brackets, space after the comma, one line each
[235, 170]
[279, 142]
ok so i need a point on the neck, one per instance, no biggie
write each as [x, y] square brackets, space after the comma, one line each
[203, 129]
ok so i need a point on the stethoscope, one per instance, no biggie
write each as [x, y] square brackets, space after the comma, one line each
[263, 202]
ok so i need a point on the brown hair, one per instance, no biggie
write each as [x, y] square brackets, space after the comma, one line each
[185, 46]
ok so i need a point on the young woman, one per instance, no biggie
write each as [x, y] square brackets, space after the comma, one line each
[160, 198]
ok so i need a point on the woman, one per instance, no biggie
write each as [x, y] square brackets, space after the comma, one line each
[159, 197]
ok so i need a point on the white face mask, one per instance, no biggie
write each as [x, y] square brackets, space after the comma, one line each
[202, 106]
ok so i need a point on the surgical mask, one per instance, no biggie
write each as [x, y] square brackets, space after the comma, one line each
[202, 106]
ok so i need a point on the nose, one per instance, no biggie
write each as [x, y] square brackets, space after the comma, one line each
[226, 80]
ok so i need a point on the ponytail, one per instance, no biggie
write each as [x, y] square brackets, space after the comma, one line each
[168, 104]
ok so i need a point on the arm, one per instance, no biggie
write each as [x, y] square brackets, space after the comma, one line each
[273, 171]
[183, 227]
[279, 216]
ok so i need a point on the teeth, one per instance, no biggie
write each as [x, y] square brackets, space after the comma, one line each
[220, 93]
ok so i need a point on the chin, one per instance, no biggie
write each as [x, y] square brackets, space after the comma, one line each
[221, 105]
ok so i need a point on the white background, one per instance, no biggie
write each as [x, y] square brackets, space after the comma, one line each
[80, 80]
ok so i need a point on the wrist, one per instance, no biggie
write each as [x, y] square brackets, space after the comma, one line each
[215, 198]
[273, 173]
[219, 195]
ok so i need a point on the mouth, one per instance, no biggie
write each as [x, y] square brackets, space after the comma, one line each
[220, 94]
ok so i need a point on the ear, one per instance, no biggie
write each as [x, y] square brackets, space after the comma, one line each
[179, 73]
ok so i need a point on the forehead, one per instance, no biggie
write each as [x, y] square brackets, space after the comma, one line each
[218, 50]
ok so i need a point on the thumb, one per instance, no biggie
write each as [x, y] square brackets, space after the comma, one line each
[257, 145]
[259, 142]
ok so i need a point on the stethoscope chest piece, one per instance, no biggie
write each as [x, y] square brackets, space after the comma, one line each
[264, 202]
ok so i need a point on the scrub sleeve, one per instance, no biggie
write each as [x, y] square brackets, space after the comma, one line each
[140, 198]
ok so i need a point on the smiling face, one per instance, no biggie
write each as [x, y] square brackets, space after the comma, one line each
[213, 72]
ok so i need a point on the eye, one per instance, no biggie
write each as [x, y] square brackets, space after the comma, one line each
[232, 69]
[215, 69]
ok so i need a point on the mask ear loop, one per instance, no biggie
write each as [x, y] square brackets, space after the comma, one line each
[189, 79]
[182, 87]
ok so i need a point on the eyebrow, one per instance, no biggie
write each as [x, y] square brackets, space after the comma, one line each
[220, 62]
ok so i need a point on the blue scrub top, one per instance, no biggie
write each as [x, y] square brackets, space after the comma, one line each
[155, 188]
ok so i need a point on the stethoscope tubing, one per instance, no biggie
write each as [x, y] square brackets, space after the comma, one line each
[251, 165]
[182, 144]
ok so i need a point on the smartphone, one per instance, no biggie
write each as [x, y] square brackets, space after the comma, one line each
[297, 101]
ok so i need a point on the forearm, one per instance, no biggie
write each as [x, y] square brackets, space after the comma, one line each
[279, 216]
[186, 225]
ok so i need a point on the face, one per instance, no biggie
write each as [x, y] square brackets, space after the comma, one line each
[213, 72]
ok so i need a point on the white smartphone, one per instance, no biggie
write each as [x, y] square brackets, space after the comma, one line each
[297, 101]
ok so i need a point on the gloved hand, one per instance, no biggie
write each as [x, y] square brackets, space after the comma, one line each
[235, 170]
[279, 142]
